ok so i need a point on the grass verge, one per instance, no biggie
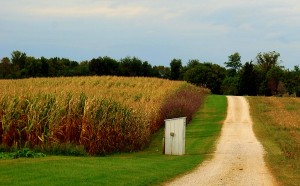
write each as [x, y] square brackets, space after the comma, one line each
[276, 124]
[148, 167]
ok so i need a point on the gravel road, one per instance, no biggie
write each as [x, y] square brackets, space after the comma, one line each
[238, 159]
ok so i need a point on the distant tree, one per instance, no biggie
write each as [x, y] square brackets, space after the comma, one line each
[198, 75]
[33, 67]
[297, 80]
[163, 72]
[155, 72]
[292, 81]
[274, 77]
[44, 67]
[5, 67]
[95, 67]
[266, 61]
[56, 67]
[147, 69]
[18, 59]
[216, 77]
[206, 75]
[176, 66]
[65, 62]
[248, 84]
[131, 66]
[5, 60]
[73, 64]
[230, 85]
[83, 69]
[192, 63]
[104, 66]
[234, 63]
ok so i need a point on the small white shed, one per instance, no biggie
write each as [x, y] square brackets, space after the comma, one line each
[174, 140]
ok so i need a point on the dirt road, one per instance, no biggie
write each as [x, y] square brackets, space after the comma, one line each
[238, 159]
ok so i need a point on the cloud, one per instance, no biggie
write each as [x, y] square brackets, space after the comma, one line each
[86, 11]
[140, 26]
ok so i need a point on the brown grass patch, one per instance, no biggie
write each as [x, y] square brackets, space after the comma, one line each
[277, 125]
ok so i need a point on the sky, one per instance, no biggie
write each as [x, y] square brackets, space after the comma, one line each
[156, 31]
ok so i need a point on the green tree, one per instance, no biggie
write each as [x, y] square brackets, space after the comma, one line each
[147, 70]
[163, 72]
[131, 66]
[104, 66]
[292, 81]
[5, 68]
[297, 80]
[55, 67]
[192, 63]
[18, 59]
[44, 67]
[230, 85]
[176, 66]
[83, 69]
[234, 63]
[198, 75]
[206, 75]
[33, 67]
[248, 84]
[266, 61]
[274, 77]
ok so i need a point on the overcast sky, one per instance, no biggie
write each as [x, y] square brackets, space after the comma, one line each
[153, 30]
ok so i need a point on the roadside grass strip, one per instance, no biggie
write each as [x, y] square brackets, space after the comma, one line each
[148, 167]
[276, 124]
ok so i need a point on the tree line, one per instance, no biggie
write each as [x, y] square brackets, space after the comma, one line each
[19, 65]
[262, 76]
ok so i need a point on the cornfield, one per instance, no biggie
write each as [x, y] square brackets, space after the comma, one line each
[101, 114]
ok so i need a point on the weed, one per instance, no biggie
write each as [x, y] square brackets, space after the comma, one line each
[22, 153]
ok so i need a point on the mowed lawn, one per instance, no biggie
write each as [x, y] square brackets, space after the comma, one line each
[277, 125]
[148, 167]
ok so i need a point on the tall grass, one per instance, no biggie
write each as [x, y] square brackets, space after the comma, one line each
[100, 114]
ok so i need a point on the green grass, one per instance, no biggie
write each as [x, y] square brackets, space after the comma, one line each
[148, 167]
